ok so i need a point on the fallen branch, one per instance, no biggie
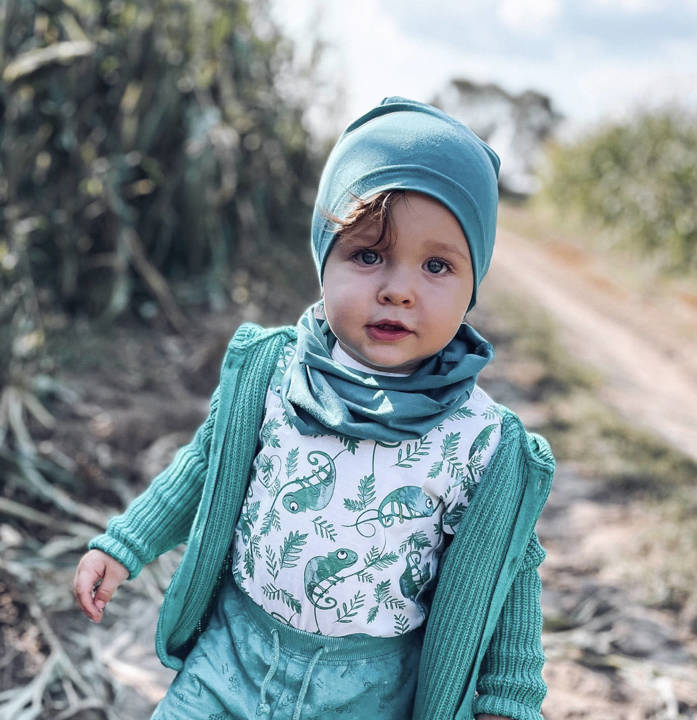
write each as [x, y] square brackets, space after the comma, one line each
[35, 483]
[24, 512]
[74, 709]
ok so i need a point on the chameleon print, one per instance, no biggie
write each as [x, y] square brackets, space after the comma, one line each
[322, 573]
[414, 577]
[316, 489]
[405, 503]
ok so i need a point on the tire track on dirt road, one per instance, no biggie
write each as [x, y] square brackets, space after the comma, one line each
[645, 352]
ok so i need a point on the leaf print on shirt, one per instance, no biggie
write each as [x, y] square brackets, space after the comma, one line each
[479, 445]
[493, 412]
[450, 460]
[271, 520]
[286, 418]
[324, 528]
[350, 610]
[292, 461]
[248, 516]
[267, 434]
[383, 597]
[405, 503]
[375, 559]
[268, 469]
[287, 598]
[272, 566]
[401, 624]
[462, 413]
[351, 444]
[366, 494]
[413, 454]
[416, 541]
[292, 546]
[467, 482]
[250, 554]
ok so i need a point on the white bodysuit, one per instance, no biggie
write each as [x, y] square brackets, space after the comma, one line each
[340, 536]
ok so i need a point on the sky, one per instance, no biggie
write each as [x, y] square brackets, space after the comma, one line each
[596, 59]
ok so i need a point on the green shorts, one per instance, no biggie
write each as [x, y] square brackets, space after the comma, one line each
[247, 665]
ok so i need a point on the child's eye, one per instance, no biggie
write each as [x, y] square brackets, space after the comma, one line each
[367, 257]
[437, 266]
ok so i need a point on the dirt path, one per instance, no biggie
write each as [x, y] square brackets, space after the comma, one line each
[611, 655]
[646, 347]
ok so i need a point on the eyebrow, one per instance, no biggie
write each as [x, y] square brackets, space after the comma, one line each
[437, 245]
[361, 239]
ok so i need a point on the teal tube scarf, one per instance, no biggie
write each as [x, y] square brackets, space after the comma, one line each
[321, 395]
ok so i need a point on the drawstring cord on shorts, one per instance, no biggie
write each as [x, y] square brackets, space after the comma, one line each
[264, 709]
[306, 683]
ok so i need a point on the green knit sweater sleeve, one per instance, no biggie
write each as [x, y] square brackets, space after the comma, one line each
[160, 518]
[510, 680]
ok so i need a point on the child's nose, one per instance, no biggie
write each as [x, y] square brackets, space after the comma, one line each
[396, 290]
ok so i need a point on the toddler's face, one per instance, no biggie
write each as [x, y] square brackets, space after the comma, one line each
[393, 305]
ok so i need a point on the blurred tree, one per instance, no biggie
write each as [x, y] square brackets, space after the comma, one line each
[639, 179]
[144, 140]
[146, 152]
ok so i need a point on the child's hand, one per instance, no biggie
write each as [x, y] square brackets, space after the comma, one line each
[94, 568]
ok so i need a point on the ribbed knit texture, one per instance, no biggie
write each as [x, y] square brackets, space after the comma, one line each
[484, 627]
[510, 682]
[477, 563]
[160, 518]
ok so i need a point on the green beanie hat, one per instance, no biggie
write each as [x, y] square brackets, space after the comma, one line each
[407, 145]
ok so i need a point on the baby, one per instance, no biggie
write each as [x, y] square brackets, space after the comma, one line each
[359, 514]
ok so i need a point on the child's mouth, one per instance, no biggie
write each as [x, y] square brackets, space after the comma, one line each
[387, 331]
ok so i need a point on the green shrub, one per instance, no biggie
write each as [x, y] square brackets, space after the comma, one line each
[144, 140]
[638, 179]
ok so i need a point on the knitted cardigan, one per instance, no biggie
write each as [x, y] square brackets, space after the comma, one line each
[482, 651]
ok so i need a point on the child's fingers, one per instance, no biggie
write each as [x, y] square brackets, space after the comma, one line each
[111, 580]
[86, 577]
[96, 579]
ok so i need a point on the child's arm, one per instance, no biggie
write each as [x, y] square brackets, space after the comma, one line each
[510, 680]
[156, 521]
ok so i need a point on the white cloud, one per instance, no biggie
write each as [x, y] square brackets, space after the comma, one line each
[630, 6]
[528, 15]
[381, 49]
